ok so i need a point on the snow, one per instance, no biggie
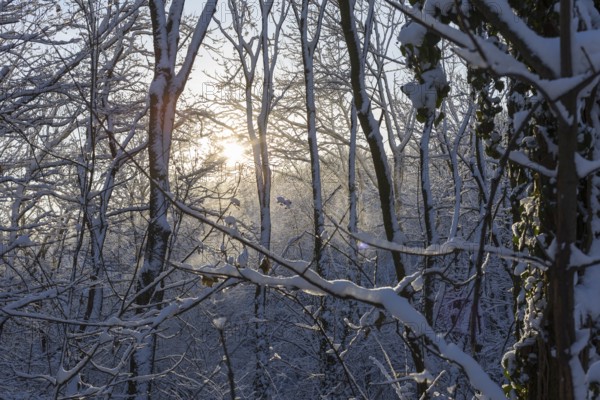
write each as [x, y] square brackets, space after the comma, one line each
[588, 13]
[367, 319]
[587, 51]
[435, 77]
[579, 378]
[583, 336]
[417, 284]
[387, 376]
[520, 118]
[421, 95]
[105, 337]
[432, 250]
[449, 247]
[20, 241]
[520, 158]
[593, 373]
[62, 375]
[386, 297]
[242, 258]
[586, 292]
[165, 313]
[412, 33]
[585, 167]
[219, 323]
[421, 377]
[31, 298]
[23, 241]
[158, 86]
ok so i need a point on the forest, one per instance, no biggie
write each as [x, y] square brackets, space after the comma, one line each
[299, 199]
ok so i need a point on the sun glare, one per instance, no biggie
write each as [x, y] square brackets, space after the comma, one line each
[234, 153]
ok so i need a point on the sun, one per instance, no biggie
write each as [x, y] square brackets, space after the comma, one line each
[234, 153]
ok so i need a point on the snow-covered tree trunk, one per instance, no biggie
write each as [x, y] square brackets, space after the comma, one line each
[429, 214]
[371, 130]
[353, 189]
[328, 365]
[308, 50]
[268, 61]
[166, 87]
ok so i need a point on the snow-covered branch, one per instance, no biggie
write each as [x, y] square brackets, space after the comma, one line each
[385, 297]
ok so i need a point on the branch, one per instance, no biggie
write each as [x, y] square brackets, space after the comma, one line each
[197, 39]
[531, 46]
[384, 297]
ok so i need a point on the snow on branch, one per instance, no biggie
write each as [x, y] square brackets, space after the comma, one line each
[197, 39]
[20, 242]
[159, 28]
[585, 167]
[310, 282]
[446, 248]
[521, 158]
[540, 52]
[386, 297]
[484, 53]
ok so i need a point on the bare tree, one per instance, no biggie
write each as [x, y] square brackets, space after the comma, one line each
[257, 51]
[166, 87]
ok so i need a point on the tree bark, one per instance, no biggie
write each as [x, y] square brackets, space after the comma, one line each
[560, 285]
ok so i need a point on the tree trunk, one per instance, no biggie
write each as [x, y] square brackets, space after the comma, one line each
[560, 311]
[371, 130]
[165, 89]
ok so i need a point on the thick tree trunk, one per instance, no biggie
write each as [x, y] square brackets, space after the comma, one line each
[560, 276]
[162, 114]
[165, 89]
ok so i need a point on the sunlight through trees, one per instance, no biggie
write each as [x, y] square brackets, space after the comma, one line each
[299, 199]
